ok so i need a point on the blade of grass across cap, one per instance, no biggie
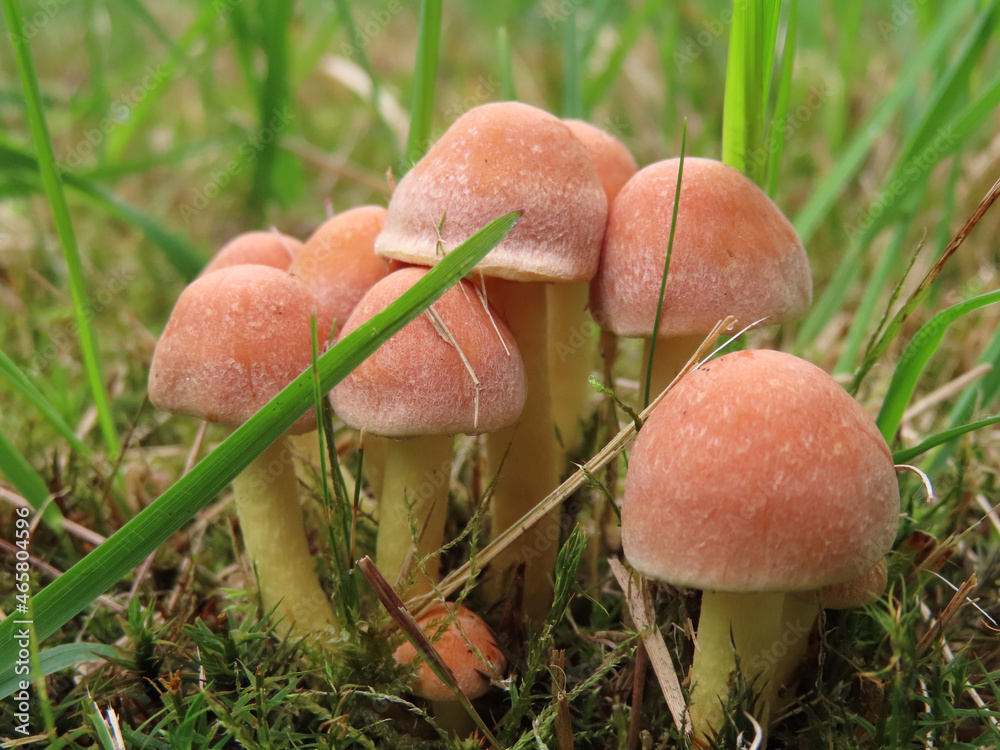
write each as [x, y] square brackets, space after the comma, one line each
[666, 268]
[424, 82]
[776, 135]
[182, 255]
[916, 356]
[30, 391]
[69, 595]
[404, 620]
[508, 91]
[64, 225]
[829, 191]
[905, 455]
[896, 324]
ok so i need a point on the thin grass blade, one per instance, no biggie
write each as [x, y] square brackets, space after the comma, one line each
[64, 226]
[908, 454]
[508, 91]
[70, 594]
[58, 658]
[424, 81]
[776, 135]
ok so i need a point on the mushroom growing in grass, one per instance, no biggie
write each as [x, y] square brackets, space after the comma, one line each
[734, 253]
[465, 643]
[235, 338]
[455, 369]
[572, 332]
[256, 248]
[493, 159]
[757, 475]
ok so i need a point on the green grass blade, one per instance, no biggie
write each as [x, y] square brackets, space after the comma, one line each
[30, 391]
[666, 269]
[908, 454]
[508, 91]
[424, 81]
[776, 136]
[915, 357]
[21, 473]
[57, 658]
[70, 594]
[748, 75]
[64, 226]
[849, 163]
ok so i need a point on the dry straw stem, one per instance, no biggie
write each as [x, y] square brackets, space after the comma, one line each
[454, 580]
[959, 598]
[404, 619]
[641, 607]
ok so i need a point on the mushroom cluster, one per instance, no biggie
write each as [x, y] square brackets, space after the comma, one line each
[757, 480]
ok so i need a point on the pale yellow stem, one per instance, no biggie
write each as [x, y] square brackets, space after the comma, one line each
[573, 338]
[376, 449]
[669, 359]
[753, 623]
[798, 614]
[267, 501]
[413, 510]
[528, 453]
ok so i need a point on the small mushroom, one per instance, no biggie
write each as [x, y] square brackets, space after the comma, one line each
[734, 253]
[256, 248]
[455, 369]
[756, 475]
[235, 338]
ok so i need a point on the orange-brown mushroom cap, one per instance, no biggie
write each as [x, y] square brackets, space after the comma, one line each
[235, 338]
[455, 646]
[734, 253]
[858, 591]
[614, 162]
[338, 263]
[417, 382]
[495, 159]
[758, 472]
[256, 248]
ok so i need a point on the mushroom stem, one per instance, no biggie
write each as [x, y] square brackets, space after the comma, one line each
[669, 358]
[271, 523]
[414, 496]
[527, 452]
[798, 615]
[376, 449]
[572, 340]
[753, 623]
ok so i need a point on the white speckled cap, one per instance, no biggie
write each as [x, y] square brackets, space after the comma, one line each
[734, 253]
[758, 472]
[235, 338]
[495, 159]
[417, 383]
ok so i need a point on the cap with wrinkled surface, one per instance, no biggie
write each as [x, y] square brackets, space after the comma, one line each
[256, 248]
[235, 338]
[417, 383]
[455, 644]
[734, 253]
[495, 159]
[758, 472]
[614, 162]
[338, 263]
